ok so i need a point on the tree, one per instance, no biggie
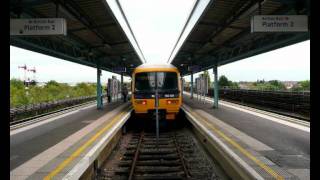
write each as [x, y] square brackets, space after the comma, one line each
[223, 81]
[85, 89]
[16, 83]
[302, 86]
[206, 74]
[305, 85]
[18, 95]
[277, 85]
[235, 85]
[52, 91]
[52, 83]
[270, 85]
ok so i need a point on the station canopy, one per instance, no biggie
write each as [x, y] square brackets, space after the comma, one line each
[94, 36]
[222, 34]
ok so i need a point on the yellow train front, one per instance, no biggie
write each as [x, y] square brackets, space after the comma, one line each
[168, 84]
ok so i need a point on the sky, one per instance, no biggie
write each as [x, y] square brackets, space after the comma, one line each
[50, 68]
[291, 63]
[157, 25]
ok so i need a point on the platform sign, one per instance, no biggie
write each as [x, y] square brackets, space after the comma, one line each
[119, 69]
[279, 23]
[194, 68]
[38, 26]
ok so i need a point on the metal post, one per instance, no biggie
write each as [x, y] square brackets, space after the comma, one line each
[157, 116]
[216, 86]
[191, 89]
[122, 86]
[156, 106]
[182, 85]
[99, 92]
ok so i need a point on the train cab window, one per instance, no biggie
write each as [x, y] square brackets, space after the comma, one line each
[165, 81]
[144, 81]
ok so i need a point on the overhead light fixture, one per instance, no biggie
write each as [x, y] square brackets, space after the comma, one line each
[251, 10]
[107, 45]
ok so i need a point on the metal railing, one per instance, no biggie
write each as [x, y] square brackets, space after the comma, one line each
[292, 103]
[30, 110]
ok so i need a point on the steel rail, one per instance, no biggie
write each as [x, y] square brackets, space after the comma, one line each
[180, 156]
[136, 155]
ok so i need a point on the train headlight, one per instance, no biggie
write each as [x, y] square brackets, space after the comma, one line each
[172, 102]
[141, 102]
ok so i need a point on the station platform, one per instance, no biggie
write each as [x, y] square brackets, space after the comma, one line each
[274, 146]
[51, 148]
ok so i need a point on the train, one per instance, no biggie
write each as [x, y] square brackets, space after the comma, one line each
[146, 78]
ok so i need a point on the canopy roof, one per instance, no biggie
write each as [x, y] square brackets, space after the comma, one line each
[94, 36]
[222, 34]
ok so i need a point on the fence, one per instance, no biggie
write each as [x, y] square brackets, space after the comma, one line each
[30, 110]
[287, 102]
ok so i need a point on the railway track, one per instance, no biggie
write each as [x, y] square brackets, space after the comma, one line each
[177, 155]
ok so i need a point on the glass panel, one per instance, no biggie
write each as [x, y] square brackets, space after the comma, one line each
[144, 81]
[165, 81]
[152, 80]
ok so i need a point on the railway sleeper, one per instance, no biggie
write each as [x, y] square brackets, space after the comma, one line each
[160, 141]
[151, 151]
[154, 138]
[152, 163]
[157, 169]
[154, 142]
[149, 169]
[173, 176]
[176, 175]
[155, 157]
[147, 146]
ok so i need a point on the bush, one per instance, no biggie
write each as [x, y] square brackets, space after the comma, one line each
[302, 86]
[224, 82]
[52, 91]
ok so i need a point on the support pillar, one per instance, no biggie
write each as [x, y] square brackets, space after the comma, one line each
[216, 87]
[99, 90]
[191, 88]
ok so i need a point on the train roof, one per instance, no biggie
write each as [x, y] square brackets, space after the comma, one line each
[150, 65]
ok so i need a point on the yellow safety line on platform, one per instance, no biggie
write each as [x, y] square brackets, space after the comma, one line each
[83, 147]
[241, 149]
